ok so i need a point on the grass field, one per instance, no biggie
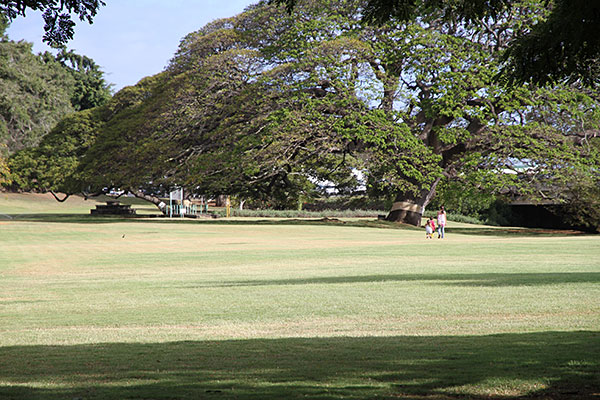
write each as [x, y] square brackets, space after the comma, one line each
[94, 308]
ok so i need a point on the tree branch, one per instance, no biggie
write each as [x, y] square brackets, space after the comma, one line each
[67, 195]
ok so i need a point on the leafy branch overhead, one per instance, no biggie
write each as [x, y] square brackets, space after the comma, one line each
[59, 25]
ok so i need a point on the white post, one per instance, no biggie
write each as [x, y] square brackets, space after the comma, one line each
[181, 206]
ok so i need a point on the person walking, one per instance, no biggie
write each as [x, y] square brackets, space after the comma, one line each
[441, 221]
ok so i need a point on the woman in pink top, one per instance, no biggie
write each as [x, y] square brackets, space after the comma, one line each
[441, 221]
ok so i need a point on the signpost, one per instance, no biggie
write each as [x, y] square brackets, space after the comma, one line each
[176, 195]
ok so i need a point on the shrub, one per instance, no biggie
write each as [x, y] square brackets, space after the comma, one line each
[303, 213]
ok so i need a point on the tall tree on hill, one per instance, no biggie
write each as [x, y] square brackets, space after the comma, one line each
[35, 93]
[91, 89]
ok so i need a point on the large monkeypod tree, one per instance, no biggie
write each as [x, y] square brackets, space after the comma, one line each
[436, 78]
[430, 103]
[267, 103]
[412, 102]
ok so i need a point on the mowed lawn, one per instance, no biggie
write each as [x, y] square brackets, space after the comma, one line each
[158, 309]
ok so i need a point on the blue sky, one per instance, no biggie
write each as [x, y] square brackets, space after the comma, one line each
[131, 39]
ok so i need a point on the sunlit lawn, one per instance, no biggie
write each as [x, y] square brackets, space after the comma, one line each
[158, 309]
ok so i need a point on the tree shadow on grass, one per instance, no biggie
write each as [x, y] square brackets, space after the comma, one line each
[363, 223]
[548, 365]
[466, 280]
[142, 218]
[76, 218]
[511, 231]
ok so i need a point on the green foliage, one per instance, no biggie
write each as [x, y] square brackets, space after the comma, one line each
[561, 46]
[564, 47]
[381, 11]
[4, 24]
[109, 161]
[455, 217]
[581, 201]
[5, 178]
[34, 94]
[461, 198]
[90, 89]
[52, 165]
[37, 91]
[304, 213]
[24, 170]
[338, 203]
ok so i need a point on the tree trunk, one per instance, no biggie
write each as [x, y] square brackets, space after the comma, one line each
[220, 200]
[408, 208]
[152, 199]
[67, 195]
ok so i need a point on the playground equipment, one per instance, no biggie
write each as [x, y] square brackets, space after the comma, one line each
[178, 207]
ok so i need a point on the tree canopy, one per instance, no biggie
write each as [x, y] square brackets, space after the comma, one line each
[90, 89]
[37, 90]
[563, 46]
[35, 93]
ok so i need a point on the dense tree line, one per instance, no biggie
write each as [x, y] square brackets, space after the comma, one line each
[34, 93]
[267, 105]
[37, 90]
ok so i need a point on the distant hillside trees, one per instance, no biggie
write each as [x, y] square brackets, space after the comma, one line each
[36, 91]
[90, 88]
[52, 165]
